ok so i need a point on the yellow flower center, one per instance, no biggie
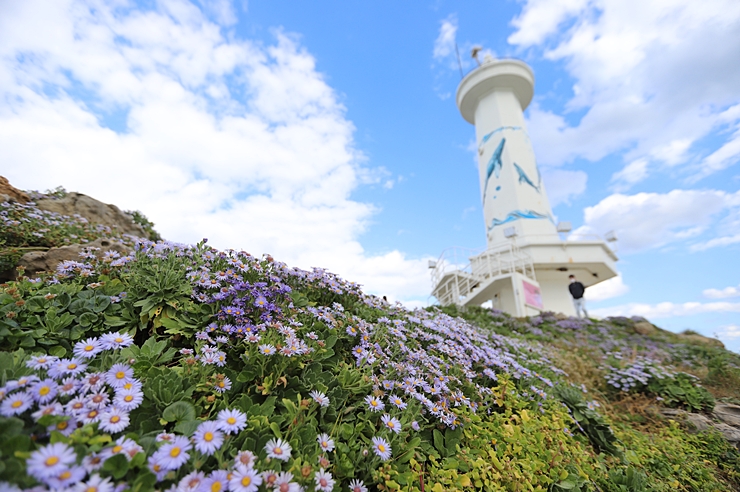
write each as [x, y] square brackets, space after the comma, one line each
[231, 420]
[62, 425]
[72, 366]
[381, 448]
[65, 475]
[216, 486]
[92, 488]
[120, 375]
[391, 425]
[221, 384]
[115, 419]
[117, 449]
[277, 451]
[374, 403]
[208, 436]
[128, 386]
[92, 414]
[246, 481]
[118, 340]
[89, 348]
[16, 403]
[175, 452]
[51, 460]
[128, 398]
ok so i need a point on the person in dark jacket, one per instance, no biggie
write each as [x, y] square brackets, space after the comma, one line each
[577, 290]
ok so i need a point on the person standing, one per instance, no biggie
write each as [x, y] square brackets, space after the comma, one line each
[577, 290]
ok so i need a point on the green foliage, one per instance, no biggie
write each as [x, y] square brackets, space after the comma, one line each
[590, 422]
[682, 390]
[145, 223]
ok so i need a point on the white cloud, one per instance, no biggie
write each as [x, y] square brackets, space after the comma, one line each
[716, 242]
[237, 141]
[541, 18]
[649, 220]
[632, 173]
[608, 289]
[729, 331]
[722, 293]
[444, 45]
[650, 77]
[667, 309]
[563, 185]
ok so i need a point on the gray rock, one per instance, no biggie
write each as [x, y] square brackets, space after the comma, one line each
[730, 433]
[94, 211]
[644, 328]
[698, 421]
[727, 413]
[39, 261]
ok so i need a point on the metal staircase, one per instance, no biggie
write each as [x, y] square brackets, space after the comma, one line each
[460, 273]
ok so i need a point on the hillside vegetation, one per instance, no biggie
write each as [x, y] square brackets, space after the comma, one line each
[159, 366]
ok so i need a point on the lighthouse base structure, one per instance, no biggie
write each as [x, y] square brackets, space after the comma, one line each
[521, 279]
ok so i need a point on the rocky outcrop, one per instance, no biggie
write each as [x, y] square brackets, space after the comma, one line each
[644, 328]
[40, 261]
[696, 339]
[726, 420]
[94, 211]
[9, 193]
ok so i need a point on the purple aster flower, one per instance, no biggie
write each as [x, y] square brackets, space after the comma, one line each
[415, 425]
[375, 404]
[113, 341]
[319, 398]
[88, 349]
[231, 421]
[118, 375]
[128, 399]
[382, 448]
[50, 460]
[266, 349]
[246, 459]
[114, 420]
[192, 482]
[44, 391]
[172, 455]
[391, 423]
[278, 449]
[244, 479]
[41, 361]
[324, 481]
[63, 367]
[208, 438]
[357, 486]
[66, 477]
[16, 404]
[222, 385]
[325, 442]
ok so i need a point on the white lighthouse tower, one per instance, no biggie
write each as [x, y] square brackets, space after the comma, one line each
[525, 267]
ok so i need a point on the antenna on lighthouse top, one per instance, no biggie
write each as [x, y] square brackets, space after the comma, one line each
[459, 63]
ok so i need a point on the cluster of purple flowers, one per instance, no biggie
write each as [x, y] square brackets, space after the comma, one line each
[67, 388]
[633, 372]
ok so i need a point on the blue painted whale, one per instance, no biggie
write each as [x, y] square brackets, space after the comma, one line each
[523, 178]
[494, 165]
[519, 214]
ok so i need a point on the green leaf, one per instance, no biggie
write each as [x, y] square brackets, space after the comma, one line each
[36, 304]
[116, 466]
[100, 303]
[180, 411]
[58, 351]
[439, 441]
[87, 319]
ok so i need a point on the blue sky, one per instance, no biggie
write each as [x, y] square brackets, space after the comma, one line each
[326, 132]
